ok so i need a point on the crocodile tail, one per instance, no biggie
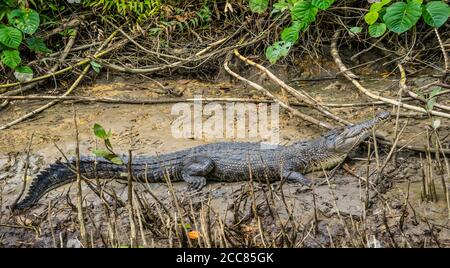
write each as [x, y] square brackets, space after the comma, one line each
[55, 175]
[58, 174]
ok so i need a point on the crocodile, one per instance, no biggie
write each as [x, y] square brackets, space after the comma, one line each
[223, 161]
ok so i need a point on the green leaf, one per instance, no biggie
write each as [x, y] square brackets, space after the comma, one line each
[37, 44]
[95, 66]
[430, 104]
[10, 37]
[116, 160]
[108, 156]
[376, 7]
[304, 11]
[280, 6]
[371, 17]
[278, 50]
[101, 153]
[322, 4]
[401, 16]
[291, 34]
[26, 19]
[436, 123]
[435, 13]
[258, 6]
[100, 132]
[432, 98]
[355, 30]
[377, 29]
[10, 58]
[435, 91]
[23, 73]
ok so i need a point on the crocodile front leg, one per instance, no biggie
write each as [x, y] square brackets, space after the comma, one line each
[195, 169]
[293, 176]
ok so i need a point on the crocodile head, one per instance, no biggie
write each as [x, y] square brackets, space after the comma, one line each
[342, 140]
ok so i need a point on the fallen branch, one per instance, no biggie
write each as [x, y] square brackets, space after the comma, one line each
[175, 100]
[300, 95]
[444, 53]
[350, 76]
[276, 99]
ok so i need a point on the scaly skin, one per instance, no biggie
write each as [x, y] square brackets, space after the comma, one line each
[225, 161]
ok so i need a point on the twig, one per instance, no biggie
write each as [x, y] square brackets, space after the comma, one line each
[276, 99]
[444, 53]
[80, 214]
[350, 76]
[25, 174]
[300, 95]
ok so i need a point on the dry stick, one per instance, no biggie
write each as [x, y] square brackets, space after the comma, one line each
[349, 75]
[27, 163]
[299, 94]
[72, 23]
[131, 215]
[423, 100]
[175, 100]
[84, 237]
[71, 88]
[444, 53]
[276, 99]
[137, 44]
[447, 165]
[49, 219]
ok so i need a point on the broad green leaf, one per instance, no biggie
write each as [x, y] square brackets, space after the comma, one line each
[108, 156]
[11, 58]
[291, 34]
[401, 16]
[116, 160]
[258, 6]
[23, 73]
[10, 37]
[27, 20]
[371, 17]
[377, 29]
[278, 50]
[430, 104]
[37, 44]
[435, 13]
[435, 91]
[304, 11]
[100, 132]
[280, 6]
[96, 66]
[322, 4]
[355, 30]
[432, 98]
[376, 7]
[436, 123]
[101, 153]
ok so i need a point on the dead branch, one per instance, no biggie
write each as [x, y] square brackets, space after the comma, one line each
[350, 76]
[299, 94]
[276, 99]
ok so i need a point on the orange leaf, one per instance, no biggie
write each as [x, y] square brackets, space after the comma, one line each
[194, 235]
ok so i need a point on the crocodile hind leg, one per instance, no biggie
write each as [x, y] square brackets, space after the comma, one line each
[195, 169]
[295, 177]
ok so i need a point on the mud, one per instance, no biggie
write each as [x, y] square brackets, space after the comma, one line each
[338, 211]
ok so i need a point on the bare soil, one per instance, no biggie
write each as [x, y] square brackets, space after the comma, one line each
[397, 216]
